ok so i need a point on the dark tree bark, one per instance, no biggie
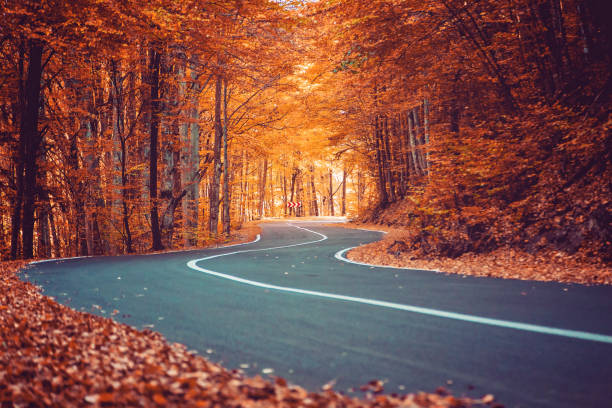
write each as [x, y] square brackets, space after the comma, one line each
[388, 159]
[154, 71]
[331, 194]
[262, 186]
[384, 198]
[28, 132]
[294, 176]
[44, 237]
[343, 208]
[79, 205]
[56, 244]
[226, 190]
[19, 158]
[213, 219]
[284, 194]
[125, 196]
[300, 210]
[314, 205]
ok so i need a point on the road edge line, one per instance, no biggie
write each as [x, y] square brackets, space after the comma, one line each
[341, 257]
[58, 259]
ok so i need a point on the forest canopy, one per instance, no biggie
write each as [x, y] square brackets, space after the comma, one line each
[132, 126]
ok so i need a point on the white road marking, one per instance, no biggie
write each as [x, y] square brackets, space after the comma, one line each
[576, 334]
[57, 259]
[257, 238]
[340, 256]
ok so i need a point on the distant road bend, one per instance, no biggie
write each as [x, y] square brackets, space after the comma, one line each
[289, 304]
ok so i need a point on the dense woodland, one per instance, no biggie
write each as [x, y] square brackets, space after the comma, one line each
[131, 126]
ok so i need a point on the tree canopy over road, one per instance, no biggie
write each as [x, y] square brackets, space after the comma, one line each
[130, 126]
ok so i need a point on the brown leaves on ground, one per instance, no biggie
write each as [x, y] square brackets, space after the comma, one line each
[245, 233]
[505, 263]
[51, 355]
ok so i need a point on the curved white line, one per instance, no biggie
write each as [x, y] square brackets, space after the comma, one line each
[192, 263]
[340, 255]
[57, 259]
[257, 238]
[576, 334]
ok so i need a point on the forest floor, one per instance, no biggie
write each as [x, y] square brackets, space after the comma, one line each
[52, 355]
[246, 233]
[507, 263]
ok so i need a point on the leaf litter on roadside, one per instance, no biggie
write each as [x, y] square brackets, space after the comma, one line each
[51, 355]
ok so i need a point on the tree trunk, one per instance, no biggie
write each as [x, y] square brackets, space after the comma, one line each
[191, 139]
[299, 193]
[413, 145]
[119, 127]
[56, 244]
[19, 163]
[403, 173]
[17, 205]
[386, 141]
[331, 195]
[343, 209]
[359, 193]
[262, 186]
[284, 193]
[44, 238]
[124, 199]
[154, 66]
[296, 172]
[382, 184]
[28, 132]
[426, 132]
[226, 190]
[213, 219]
[419, 141]
[313, 191]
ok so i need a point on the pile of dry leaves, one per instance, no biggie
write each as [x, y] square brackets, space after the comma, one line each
[506, 263]
[51, 355]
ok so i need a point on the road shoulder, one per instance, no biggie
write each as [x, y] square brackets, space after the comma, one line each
[507, 263]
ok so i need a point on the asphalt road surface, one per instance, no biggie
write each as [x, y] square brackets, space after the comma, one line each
[299, 312]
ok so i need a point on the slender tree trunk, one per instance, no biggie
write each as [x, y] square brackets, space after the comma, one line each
[419, 141]
[119, 128]
[382, 184]
[386, 142]
[262, 186]
[19, 160]
[426, 133]
[155, 62]
[331, 194]
[17, 206]
[300, 195]
[413, 145]
[401, 156]
[293, 179]
[191, 137]
[243, 186]
[359, 192]
[125, 198]
[56, 243]
[213, 219]
[226, 189]
[313, 191]
[343, 210]
[44, 238]
[285, 193]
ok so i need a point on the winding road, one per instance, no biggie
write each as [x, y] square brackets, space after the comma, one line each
[289, 304]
